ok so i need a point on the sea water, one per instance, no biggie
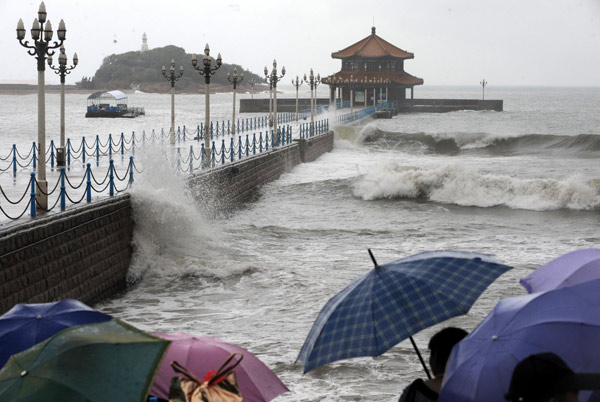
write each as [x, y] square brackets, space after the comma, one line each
[521, 184]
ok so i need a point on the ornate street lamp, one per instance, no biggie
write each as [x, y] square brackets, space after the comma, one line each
[483, 84]
[297, 85]
[62, 70]
[172, 77]
[272, 79]
[40, 49]
[312, 81]
[234, 79]
[206, 70]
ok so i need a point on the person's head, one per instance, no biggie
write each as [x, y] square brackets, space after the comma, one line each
[545, 377]
[440, 346]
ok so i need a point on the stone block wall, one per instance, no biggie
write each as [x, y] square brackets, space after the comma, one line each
[82, 254]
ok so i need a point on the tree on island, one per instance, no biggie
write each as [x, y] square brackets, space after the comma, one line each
[143, 70]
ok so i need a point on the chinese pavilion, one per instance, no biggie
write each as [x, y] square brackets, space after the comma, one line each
[372, 70]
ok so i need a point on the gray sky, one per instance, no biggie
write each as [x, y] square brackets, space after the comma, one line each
[455, 42]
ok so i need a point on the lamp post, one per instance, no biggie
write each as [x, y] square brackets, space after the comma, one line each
[40, 48]
[252, 83]
[297, 84]
[273, 78]
[483, 84]
[234, 79]
[172, 77]
[62, 70]
[206, 70]
[270, 97]
[312, 81]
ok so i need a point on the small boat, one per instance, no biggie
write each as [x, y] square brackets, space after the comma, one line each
[111, 104]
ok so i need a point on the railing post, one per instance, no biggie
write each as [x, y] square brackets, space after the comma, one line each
[202, 154]
[178, 160]
[130, 171]
[97, 147]
[122, 144]
[110, 145]
[247, 145]
[239, 147]
[32, 209]
[191, 155]
[14, 150]
[179, 134]
[259, 143]
[52, 154]
[231, 150]
[68, 152]
[213, 156]
[83, 150]
[34, 156]
[88, 188]
[111, 176]
[63, 203]
[223, 150]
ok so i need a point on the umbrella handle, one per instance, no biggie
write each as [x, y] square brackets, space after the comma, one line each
[420, 357]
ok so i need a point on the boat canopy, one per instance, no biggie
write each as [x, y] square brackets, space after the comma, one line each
[107, 97]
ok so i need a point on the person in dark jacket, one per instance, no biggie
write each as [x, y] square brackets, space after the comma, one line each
[440, 346]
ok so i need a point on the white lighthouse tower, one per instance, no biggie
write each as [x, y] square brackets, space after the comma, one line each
[144, 42]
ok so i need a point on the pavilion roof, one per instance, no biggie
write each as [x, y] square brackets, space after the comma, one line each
[396, 77]
[372, 47]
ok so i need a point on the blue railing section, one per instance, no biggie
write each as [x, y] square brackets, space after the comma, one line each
[64, 190]
[359, 114]
[228, 150]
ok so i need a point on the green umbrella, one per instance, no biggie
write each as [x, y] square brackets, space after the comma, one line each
[107, 361]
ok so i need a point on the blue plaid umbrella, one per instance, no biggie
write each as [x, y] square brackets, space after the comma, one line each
[396, 300]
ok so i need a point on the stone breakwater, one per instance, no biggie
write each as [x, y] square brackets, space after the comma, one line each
[84, 253]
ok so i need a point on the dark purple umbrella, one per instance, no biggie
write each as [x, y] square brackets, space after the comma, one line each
[26, 325]
[569, 269]
[201, 354]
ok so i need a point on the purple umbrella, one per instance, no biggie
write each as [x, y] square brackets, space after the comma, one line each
[201, 354]
[569, 269]
[564, 321]
[26, 325]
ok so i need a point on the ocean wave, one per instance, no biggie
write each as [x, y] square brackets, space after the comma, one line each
[459, 185]
[493, 144]
[171, 237]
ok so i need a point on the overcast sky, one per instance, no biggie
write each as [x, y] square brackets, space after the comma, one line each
[455, 42]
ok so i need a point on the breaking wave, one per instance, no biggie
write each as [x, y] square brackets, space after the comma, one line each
[463, 142]
[457, 184]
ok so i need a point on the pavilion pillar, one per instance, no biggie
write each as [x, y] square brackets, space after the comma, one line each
[412, 92]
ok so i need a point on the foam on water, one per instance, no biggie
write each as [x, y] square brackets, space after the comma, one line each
[457, 184]
[171, 236]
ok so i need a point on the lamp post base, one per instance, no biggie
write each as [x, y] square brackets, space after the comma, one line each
[41, 198]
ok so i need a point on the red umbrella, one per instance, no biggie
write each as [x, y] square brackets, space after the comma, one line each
[201, 354]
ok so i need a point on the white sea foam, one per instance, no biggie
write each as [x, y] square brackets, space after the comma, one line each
[171, 237]
[457, 184]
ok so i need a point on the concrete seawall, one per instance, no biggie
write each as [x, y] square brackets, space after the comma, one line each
[84, 253]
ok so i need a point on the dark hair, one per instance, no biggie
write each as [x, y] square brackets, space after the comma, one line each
[442, 342]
